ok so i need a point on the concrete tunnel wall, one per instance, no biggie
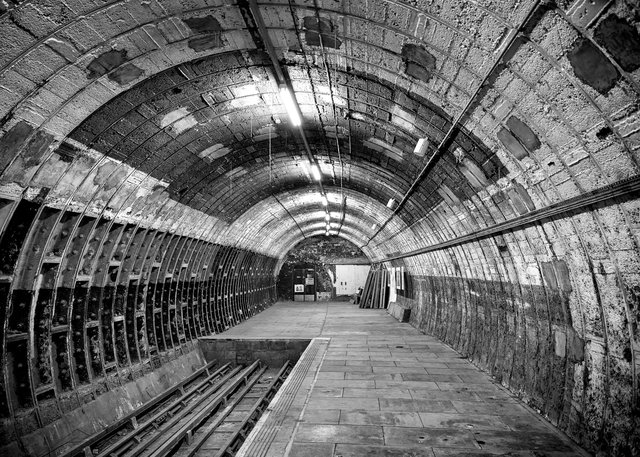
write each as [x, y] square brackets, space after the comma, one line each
[145, 158]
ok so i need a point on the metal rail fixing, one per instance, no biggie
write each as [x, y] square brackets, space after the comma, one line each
[124, 443]
[130, 418]
[199, 418]
[234, 442]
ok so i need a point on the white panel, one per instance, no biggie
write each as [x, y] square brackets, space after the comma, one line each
[349, 278]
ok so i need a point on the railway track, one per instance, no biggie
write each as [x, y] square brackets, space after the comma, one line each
[210, 413]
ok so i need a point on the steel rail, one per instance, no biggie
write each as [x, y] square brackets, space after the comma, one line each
[126, 442]
[132, 417]
[627, 188]
[247, 378]
[231, 445]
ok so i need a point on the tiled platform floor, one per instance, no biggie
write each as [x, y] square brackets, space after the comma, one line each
[370, 386]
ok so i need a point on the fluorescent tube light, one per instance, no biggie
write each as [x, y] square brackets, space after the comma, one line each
[291, 106]
[421, 147]
[315, 172]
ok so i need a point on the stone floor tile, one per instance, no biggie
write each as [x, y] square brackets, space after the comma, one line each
[345, 383]
[448, 451]
[497, 408]
[425, 365]
[529, 440]
[446, 370]
[477, 377]
[427, 406]
[354, 450]
[344, 403]
[350, 434]
[327, 392]
[376, 393]
[334, 363]
[463, 421]
[525, 422]
[468, 387]
[407, 384]
[428, 437]
[348, 369]
[331, 375]
[435, 394]
[403, 369]
[373, 363]
[321, 416]
[311, 450]
[398, 419]
[373, 376]
[430, 377]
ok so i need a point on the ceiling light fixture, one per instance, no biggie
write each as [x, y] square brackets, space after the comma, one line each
[325, 201]
[421, 146]
[291, 106]
[315, 171]
[391, 203]
[327, 217]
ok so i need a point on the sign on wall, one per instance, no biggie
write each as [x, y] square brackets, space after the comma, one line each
[298, 288]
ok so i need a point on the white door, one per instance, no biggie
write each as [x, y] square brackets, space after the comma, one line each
[350, 277]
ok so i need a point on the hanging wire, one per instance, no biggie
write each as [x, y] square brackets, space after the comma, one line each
[335, 115]
[270, 161]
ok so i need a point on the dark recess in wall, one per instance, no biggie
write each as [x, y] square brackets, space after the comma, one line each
[621, 40]
[592, 67]
[321, 32]
[111, 60]
[209, 33]
[419, 63]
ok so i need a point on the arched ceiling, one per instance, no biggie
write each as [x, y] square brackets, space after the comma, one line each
[168, 112]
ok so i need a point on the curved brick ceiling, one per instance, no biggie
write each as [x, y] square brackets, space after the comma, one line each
[165, 114]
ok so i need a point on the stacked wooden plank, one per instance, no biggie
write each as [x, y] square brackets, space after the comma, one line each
[376, 288]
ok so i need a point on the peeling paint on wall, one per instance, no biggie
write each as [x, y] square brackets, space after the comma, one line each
[592, 67]
[321, 32]
[208, 33]
[621, 40]
[178, 120]
[12, 141]
[111, 60]
[214, 152]
[419, 63]
[473, 173]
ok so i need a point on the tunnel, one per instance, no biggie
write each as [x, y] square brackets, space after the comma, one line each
[160, 159]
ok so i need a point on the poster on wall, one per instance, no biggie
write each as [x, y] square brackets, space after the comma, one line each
[298, 288]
